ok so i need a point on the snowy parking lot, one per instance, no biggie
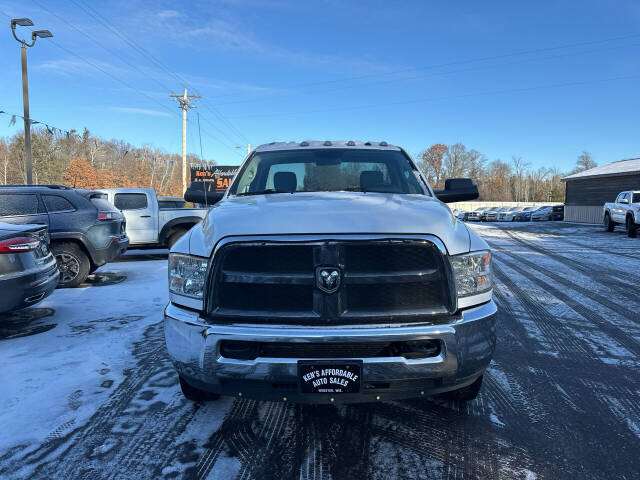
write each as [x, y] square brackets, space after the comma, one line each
[88, 392]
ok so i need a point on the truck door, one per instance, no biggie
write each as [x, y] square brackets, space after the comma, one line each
[140, 216]
[619, 208]
[22, 208]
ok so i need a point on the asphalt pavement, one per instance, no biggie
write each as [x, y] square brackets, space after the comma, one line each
[89, 392]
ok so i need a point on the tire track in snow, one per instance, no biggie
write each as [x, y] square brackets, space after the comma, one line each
[605, 326]
[104, 439]
[556, 334]
[612, 276]
[568, 377]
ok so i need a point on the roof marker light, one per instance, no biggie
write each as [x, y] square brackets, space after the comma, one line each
[383, 144]
[304, 144]
[327, 143]
[351, 143]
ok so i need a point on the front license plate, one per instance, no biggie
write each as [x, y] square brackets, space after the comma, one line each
[342, 376]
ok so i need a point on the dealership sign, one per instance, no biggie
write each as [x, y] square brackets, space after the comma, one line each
[220, 175]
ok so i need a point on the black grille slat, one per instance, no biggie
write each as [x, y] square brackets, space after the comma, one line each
[270, 259]
[397, 256]
[266, 297]
[246, 350]
[381, 281]
[388, 297]
[263, 277]
[386, 277]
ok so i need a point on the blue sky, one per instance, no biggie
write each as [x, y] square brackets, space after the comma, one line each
[540, 80]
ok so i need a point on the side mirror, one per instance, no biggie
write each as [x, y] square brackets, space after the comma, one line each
[203, 193]
[458, 190]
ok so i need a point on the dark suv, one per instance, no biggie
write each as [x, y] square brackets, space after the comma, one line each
[86, 230]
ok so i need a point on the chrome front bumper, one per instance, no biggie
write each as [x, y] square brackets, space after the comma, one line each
[468, 342]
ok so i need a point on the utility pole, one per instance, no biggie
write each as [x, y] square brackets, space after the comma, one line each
[185, 104]
[25, 22]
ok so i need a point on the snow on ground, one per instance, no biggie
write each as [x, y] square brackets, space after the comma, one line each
[87, 390]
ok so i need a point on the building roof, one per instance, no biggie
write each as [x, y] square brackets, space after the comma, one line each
[325, 144]
[613, 169]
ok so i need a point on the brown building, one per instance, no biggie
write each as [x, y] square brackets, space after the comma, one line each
[587, 192]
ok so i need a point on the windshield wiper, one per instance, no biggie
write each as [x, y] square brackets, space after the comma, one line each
[261, 192]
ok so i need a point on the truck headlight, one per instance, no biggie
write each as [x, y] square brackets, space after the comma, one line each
[187, 275]
[472, 273]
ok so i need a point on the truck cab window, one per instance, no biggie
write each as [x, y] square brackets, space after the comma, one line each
[130, 201]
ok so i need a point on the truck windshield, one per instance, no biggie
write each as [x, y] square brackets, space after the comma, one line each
[327, 170]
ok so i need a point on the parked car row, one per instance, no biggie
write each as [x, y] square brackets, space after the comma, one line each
[512, 214]
[55, 236]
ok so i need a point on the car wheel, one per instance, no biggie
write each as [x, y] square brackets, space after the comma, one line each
[195, 394]
[632, 228]
[73, 263]
[175, 236]
[608, 223]
[464, 394]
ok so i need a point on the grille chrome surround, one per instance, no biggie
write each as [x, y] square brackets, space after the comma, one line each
[384, 280]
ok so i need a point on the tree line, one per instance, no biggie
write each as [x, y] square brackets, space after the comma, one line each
[87, 161]
[497, 180]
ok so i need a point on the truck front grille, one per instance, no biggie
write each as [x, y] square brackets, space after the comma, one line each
[382, 281]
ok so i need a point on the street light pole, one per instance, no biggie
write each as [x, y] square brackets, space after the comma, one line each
[25, 22]
[27, 120]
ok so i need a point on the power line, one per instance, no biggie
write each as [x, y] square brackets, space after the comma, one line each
[200, 137]
[439, 74]
[122, 81]
[461, 62]
[448, 97]
[89, 10]
[99, 17]
[101, 45]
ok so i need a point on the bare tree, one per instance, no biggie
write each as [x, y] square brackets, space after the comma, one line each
[518, 168]
[584, 162]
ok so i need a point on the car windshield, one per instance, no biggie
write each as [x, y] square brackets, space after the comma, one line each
[327, 170]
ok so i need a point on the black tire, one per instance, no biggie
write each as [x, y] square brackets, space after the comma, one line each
[608, 223]
[195, 394]
[465, 394]
[632, 227]
[73, 263]
[175, 236]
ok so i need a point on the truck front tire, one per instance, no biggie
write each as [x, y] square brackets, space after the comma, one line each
[464, 394]
[608, 223]
[632, 228]
[195, 394]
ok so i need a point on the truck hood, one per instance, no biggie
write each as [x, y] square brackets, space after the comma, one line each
[326, 214]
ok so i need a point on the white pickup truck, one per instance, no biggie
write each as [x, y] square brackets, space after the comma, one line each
[624, 211]
[149, 222]
[331, 272]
